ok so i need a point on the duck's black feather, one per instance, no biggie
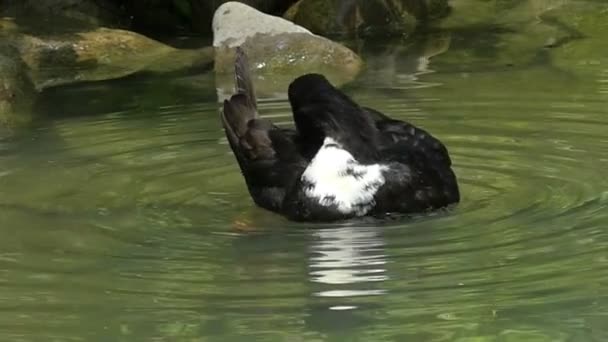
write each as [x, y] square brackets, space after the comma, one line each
[393, 132]
[320, 110]
[267, 155]
[416, 173]
[431, 181]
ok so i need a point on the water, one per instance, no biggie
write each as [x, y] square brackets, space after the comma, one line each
[124, 217]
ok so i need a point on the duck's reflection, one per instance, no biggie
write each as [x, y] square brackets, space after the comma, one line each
[348, 262]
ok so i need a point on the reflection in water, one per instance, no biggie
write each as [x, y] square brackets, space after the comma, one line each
[348, 260]
[399, 66]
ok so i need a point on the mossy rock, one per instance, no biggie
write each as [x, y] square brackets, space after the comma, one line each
[101, 54]
[365, 17]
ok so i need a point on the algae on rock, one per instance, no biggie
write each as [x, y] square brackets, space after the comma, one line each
[101, 54]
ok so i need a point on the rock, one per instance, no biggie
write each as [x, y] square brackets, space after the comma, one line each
[367, 17]
[29, 62]
[202, 10]
[278, 50]
[234, 23]
[17, 92]
[101, 54]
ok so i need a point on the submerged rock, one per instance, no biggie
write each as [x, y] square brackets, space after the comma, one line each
[276, 48]
[499, 34]
[17, 92]
[367, 17]
[587, 53]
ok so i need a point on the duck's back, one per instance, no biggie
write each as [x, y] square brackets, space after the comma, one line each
[364, 162]
[420, 176]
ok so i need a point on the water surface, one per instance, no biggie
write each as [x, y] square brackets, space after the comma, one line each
[124, 217]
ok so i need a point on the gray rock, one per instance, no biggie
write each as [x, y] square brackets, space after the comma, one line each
[234, 23]
[278, 50]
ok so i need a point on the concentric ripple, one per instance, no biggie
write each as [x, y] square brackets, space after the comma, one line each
[135, 224]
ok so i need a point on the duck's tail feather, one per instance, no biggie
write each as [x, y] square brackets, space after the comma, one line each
[240, 109]
[242, 77]
[247, 133]
[235, 118]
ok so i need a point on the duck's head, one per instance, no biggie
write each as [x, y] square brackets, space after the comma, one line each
[309, 89]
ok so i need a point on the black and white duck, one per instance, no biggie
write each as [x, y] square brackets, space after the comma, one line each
[340, 161]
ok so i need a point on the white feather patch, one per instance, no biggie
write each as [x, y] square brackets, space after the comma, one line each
[336, 178]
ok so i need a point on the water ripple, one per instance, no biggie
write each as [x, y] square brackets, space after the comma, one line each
[135, 214]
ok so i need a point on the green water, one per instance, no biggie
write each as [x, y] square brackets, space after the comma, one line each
[124, 218]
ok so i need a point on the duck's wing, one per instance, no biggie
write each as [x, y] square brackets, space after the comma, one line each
[267, 155]
[420, 176]
[402, 135]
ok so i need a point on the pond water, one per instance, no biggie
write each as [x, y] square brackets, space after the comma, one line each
[124, 217]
